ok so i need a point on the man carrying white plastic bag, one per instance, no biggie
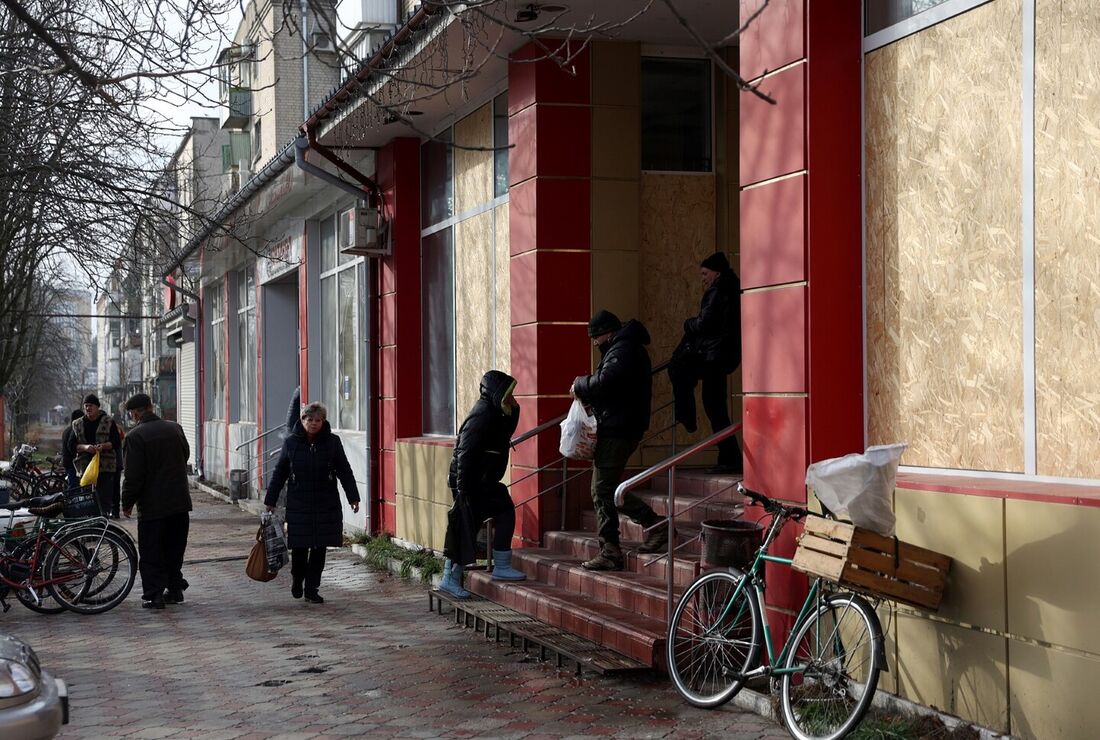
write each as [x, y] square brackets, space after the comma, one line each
[578, 433]
[859, 487]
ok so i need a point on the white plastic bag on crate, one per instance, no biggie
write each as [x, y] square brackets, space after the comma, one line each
[859, 487]
[274, 544]
[578, 433]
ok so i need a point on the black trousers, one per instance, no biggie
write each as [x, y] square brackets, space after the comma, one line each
[685, 376]
[116, 494]
[161, 544]
[492, 501]
[306, 566]
[104, 492]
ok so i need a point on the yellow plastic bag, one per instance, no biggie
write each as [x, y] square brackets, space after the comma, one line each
[91, 473]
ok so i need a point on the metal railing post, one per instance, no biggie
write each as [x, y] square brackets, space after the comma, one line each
[671, 540]
[564, 487]
[248, 470]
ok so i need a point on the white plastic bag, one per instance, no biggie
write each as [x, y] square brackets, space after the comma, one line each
[274, 544]
[859, 487]
[578, 433]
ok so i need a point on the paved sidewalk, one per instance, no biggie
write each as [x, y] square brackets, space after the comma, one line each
[242, 659]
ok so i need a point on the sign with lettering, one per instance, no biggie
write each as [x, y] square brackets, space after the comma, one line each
[281, 254]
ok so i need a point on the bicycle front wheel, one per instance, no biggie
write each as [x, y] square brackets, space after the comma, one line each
[835, 658]
[91, 571]
[713, 639]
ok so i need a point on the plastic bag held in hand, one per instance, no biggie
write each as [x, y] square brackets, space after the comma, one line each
[578, 433]
[274, 544]
[859, 487]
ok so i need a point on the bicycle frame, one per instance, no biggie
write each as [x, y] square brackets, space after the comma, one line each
[44, 539]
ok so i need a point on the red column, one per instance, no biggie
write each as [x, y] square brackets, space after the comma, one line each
[399, 387]
[549, 128]
[800, 251]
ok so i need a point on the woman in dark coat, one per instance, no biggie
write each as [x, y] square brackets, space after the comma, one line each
[311, 462]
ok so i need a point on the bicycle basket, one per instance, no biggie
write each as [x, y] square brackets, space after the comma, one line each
[730, 542]
[81, 503]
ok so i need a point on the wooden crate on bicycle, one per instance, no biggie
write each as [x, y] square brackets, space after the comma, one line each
[865, 561]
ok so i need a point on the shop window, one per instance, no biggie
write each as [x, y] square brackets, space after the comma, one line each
[438, 332]
[341, 358]
[437, 181]
[885, 13]
[218, 355]
[246, 344]
[676, 115]
[500, 145]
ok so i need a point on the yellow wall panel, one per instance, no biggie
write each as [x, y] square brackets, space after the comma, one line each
[1052, 595]
[943, 242]
[422, 471]
[473, 167]
[1053, 693]
[474, 317]
[1067, 237]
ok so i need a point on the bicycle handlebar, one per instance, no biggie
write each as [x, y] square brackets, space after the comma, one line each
[771, 505]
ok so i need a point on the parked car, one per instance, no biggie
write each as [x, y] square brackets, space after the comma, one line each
[33, 704]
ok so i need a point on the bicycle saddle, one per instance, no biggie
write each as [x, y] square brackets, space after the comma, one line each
[38, 502]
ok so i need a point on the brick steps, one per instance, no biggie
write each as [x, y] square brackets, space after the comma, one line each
[584, 545]
[635, 635]
[635, 533]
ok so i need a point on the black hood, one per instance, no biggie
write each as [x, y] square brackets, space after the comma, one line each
[632, 331]
[495, 386]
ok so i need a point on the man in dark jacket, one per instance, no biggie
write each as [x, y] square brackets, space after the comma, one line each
[619, 392]
[479, 463]
[95, 432]
[156, 481]
[710, 351]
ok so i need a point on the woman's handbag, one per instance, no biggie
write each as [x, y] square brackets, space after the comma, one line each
[256, 567]
[91, 473]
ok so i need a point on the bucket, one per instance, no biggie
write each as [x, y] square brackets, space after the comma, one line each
[730, 542]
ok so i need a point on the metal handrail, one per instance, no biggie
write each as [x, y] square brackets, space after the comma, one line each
[669, 465]
[259, 436]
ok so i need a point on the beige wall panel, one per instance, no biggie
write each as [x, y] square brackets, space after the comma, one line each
[473, 178]
[1053, 693]
[615, 223]
[615, 282]
[958, 670]
[414, 520]
[474, 319]
[1067, 235]
[1052, 594]
[616, 142]
[503, 307]
[422, 471]
[616, 73]
[943, 242]
[969, 529]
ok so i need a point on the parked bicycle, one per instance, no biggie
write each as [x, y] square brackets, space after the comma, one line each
[24, 479]
[828, 668]
[87, 566]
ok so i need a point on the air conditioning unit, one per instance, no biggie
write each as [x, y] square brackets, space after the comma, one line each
[322, 42]
[367, 234]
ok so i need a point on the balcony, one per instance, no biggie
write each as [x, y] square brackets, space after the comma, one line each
[236, 107]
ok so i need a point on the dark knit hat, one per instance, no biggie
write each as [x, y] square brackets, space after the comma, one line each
[716, 262]
[91, 398]
[603, 322]
[139, 401]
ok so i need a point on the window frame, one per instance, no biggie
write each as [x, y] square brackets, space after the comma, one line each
[915, 23]
[247, 358]
[685, 54]
[328, 278]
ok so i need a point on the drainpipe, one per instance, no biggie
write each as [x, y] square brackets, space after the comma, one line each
[305, 58]
[301, 145]
[198, 369]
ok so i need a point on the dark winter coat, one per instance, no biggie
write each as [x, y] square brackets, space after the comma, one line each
[156, 469]
[314, 514]
[620, 390]
[484, 439]
[715, 334]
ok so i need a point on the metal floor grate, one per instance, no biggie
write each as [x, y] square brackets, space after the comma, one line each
[496, 622]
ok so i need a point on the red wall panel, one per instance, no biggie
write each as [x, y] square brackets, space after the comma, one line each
[773, 137]
[536, 286]
[387, 436]
[774, 39]
[532, 77]
[775, 446]
[773, 340]
[773, 233]
[388, 319]
[388, 371]
[568, 197]
[547, 357]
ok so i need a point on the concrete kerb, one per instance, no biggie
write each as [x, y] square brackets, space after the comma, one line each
[748, 700]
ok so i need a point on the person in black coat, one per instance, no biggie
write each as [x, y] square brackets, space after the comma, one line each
[709, 351]
[479, 463]
[620, 394]
[311, 462]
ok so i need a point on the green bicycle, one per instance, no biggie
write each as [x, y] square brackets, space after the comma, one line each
[828, 668]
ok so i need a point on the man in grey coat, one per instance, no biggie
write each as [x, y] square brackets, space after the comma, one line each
[156, 481]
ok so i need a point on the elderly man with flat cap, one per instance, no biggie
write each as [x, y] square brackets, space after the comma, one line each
[94, 432]
[620, 394]
[156, 481]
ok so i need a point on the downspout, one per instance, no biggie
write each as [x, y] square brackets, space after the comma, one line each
[305, 58]
[198, 369]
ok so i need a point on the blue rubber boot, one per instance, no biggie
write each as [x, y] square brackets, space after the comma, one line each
[502, 567]
[452, 581]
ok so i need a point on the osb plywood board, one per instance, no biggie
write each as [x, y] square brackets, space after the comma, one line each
[674, 240]
[1067, 238]
[502, 314]
[474, 320]
[944, 305]
[474, 165]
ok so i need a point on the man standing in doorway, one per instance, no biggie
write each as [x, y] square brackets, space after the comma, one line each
[96, 432]
[619, 392]
[156, 480]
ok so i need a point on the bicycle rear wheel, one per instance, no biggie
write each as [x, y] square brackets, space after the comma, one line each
[48, 604]
[713, 639]
[837, 653]
[93, 570]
